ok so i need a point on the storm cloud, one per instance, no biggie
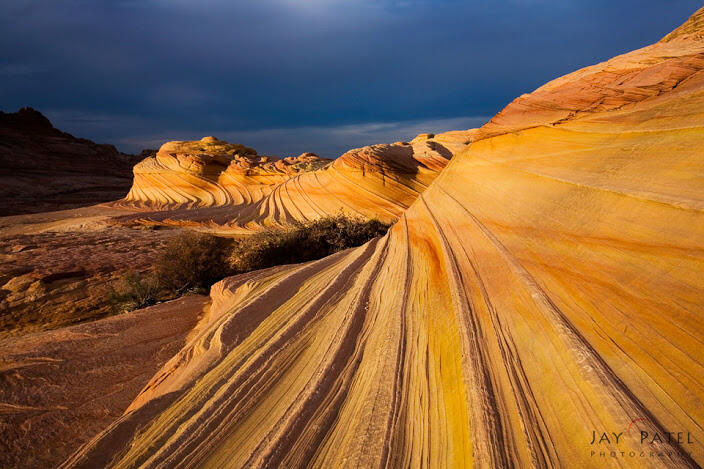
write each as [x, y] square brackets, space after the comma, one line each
[287, 76]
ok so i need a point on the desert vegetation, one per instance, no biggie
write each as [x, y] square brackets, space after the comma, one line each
[302, 242]
[192, 262]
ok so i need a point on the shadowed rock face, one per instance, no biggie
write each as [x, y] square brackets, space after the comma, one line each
[44, 169]
[546, 285]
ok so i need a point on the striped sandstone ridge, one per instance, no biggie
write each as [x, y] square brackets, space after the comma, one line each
[210, 172]
[377, 181]
[620, 82]
[693, 28]
[548, 284]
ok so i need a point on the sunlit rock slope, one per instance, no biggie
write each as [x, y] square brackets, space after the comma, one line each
[245, 192]
[210, 172]
[377, 181]
[547, 285]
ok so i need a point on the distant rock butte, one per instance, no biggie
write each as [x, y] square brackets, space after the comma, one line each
[546, 285]
[44, 169]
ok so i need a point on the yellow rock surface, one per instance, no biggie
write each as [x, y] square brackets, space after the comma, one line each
[547, 285]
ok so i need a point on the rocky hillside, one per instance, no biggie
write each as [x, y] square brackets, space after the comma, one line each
[43, 169]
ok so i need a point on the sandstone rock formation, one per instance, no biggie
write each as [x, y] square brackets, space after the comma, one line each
[377, 181]
[546, 285]
[210, 172]
[44, 169]
[246, 192]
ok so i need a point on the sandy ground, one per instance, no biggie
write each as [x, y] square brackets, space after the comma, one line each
[59, 388]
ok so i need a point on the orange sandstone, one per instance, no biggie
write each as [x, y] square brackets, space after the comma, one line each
[548, 284]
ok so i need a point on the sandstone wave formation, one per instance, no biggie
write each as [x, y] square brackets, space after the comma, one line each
[548, 284]
[210, 172]
[247, 192]
[377, 181]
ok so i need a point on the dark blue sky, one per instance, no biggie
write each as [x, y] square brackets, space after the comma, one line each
[287, 76]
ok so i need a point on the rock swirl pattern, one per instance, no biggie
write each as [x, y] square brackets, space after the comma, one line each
[377, 181]
[210, 172]
[228, 186]
[548, 284]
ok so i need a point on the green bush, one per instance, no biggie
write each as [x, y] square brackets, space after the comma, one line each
[194, 261]
[135, 291]
[190, 262]
[303, 242]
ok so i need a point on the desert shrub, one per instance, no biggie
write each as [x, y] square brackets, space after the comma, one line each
[193, 261]
[190, 262]
[303, 242]
[135, 291]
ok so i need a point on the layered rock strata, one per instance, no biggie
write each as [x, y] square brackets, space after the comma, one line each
[210, 172]
[546, 286]
[232, 189]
